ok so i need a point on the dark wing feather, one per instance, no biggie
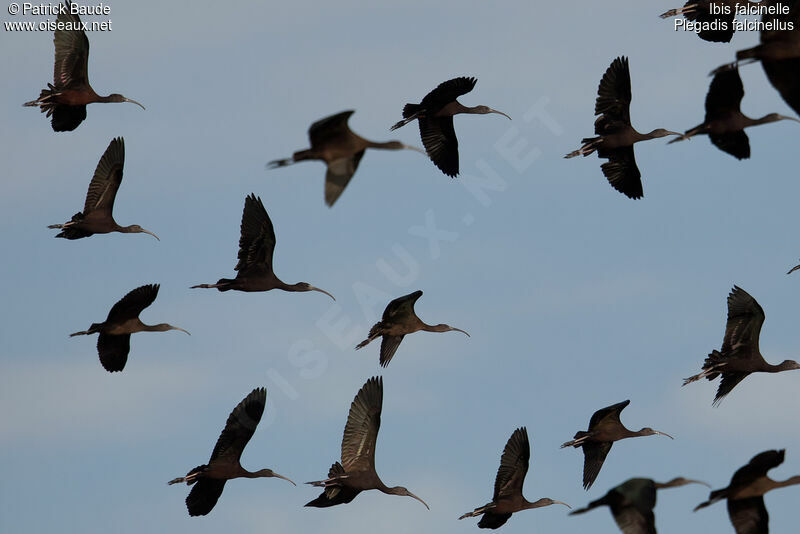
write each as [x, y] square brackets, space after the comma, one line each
[447, 92]
[113, 351]
[204, 496]
[67, 118]
[493, 520]
[784, 75]
[440, 142]
[726, 385]
[614, 92]
[757, 467]
[329, 128]
[132, 304]
[749, 516]
[631, 520]
[72, 53]
[389, 346]
[724, 95]
[107, 179]
[239, 428]
[361, 430]
[745, 318]
[594, 454]
[513, 466]
[401, 307]
[610, 413]
[257, 241]
[632, 504]
[703, 16]
[622, 172]
[338, 175]
[737, 144]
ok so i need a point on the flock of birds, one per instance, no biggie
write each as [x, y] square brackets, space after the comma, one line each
[332, 141]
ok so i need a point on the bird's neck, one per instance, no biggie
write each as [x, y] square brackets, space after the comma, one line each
[291, 287]
[161, 327]
[386, 145]
[789, 482]
[435, 327]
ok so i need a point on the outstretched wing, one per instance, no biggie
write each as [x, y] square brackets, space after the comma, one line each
[389, 346]
[757, 467]
[702, 15]
[239, 428]
[447, 92]
[594, 454]
[745, 317]
[622, 172]
[72, 52]
[329, 128]
[724, 95]
[631, 520]
[440, 142]
[609, 413]
[132, 304]
[513, 466]
[361, 430]
[749, 516]
[113, 351]
[106, 180]
[338, 175]
[204, 496]
[257, 241]
[784, 75]
[400, 307]
[614, 92]
[737, 144]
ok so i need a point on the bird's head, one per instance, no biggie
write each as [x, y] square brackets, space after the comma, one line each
[483, 110]
[788, 365]
[547, 501]
[165, 327]
[136, 229]
[647, 431]
[400, 490]
[305, 286]
[269, 473]
[774, 117]
[661, 132]
[116, 97]
[680, 481]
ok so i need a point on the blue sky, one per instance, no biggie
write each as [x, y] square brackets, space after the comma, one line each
[575, 296]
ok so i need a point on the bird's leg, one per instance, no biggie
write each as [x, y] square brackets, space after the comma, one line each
[691, 8]
[576, 442]
[405, 121]
[705, 373]
[589, 146]
[333, 481]
[274, 164]
[367, 341]
[191, 477]
[478, 511]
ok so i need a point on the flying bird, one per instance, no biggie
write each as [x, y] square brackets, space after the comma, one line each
[745, 493]
[356, 472]
[715, 27]
[793, 269]
[435, 115]
[114, 341]
[208, 480]
[66, 98]
[615, 135]
[633, 501]
[97, 216]
[333, 142]
[739, 355]
[508, 497]
[604, 429]
[399, 319]
[725, 123]
[256, 247]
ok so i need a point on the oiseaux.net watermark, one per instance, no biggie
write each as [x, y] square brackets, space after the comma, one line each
[55, 10]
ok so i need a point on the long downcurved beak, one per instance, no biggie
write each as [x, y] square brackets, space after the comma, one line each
[420, 500]
[276, 475]
[784, 117]
[179, 328]
[417, 149]
[151, 233]
[499, 113]
[459, 330]
[134, 102]
[565, 504]
[663, 434]
[691, 481]
[312, 288]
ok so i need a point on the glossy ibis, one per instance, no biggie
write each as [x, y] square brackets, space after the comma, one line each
[507, 497]
[745, 493]
[66, 98]
[399, 319]
[256, 246]
[739, 355]
[356, 472]
[616, 136]
[724, 122]
[633, 501]
[97, 216]
[114, 341]
[435, 115]
[604, 429]
[209, 479]
[333, 142]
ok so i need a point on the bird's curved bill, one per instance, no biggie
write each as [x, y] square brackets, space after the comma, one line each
[312, 288]
[151, 233]
[499, 113]
[417, 149]
[789, 118]
[134, 102]
[565, 504]
[459, 330]
[420, 500]
[283, 478]
[181, 329]
[691, 481]
[663, 434]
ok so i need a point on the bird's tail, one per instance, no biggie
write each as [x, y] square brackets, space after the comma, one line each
[300, 155]
[191, 476]
[686, 9]
[689, 133]
[591, 506]
[410, 112]
[223, 284]
[580, 437]
[716, 495]
[68, 231]
[589, 145]
[92, 330]
[44, 101]
[709, 368]
[478, 511]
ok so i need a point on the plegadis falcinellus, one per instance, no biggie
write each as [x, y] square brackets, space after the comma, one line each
[209, 479]
[745, 493]
[604, 429]
[435, 115]
[633, 501]
[356, 472]
[399, 319]
[333, 142]
[114, 341]
[97, 216]
[779, 52]
[724, 122]
[66, 98]
[739, 355]
[616, 136]
[507, 497]
[256, 246]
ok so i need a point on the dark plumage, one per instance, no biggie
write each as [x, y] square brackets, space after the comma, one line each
[66, 98]
[399, 319]
[114, 341]
[209, 479]
[615, 135]
[435, 115]
[507, 497]
[739, 355]
[605, 428]
[256, 248]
